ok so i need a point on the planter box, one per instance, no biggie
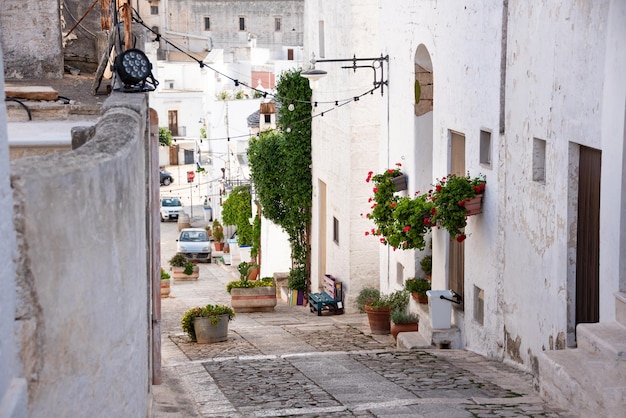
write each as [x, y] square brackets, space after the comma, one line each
[207, 333]
[254, 299]
[474, 206]
[399, 182]
[178, 274]
[165, 288]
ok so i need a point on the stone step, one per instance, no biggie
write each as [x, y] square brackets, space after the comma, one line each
[412, 341]
[49, 110]
[588, 383]
[604, 339]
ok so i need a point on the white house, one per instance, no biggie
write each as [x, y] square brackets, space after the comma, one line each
[527, 94]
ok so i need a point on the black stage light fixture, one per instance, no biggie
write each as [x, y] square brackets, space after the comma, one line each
[134, 69]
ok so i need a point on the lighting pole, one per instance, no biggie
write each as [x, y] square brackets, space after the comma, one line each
[313, 74]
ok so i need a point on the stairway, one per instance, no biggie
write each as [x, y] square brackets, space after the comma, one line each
[590, 379]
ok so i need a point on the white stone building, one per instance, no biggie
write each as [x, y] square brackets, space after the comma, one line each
[527, 94]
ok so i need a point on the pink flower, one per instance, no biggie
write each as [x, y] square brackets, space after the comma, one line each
[367, 233]
[393, 204]
[407, 228]
[375, 189]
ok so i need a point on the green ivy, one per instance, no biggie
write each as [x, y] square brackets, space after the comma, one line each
[280, 164]
[237, 210]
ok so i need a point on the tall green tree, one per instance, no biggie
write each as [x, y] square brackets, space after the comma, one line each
[165, 137]
[280, 164]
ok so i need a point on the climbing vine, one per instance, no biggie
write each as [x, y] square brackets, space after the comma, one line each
[280, 164]
[237, 210]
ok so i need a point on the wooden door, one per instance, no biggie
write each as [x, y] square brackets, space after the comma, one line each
[456, 256]
[172, 121]
[588, 237]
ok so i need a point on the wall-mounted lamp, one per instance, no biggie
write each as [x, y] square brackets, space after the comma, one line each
[134, 69]
[314, 75]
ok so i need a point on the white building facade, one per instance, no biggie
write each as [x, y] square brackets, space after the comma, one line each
[526, 94]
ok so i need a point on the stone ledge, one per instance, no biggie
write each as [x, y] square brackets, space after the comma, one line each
[412, 341]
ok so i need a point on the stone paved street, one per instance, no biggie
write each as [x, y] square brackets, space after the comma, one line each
[294, 363]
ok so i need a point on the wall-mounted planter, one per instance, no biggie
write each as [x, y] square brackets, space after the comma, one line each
[400, 182]
[474, 206]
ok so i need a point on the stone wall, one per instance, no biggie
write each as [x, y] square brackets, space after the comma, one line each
[12, 386]
[83, 263]
[31, 41]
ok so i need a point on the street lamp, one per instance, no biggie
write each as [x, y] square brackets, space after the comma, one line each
[314, 75]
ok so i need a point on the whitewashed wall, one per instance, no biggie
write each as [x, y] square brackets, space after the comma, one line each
[345, 142]
[83, 313]
[13, 390]
[466, 72]
[556, 93]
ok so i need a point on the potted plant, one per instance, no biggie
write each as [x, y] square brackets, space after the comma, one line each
[218, 235]
[455, 198]
[401, 222]
[383, 202]
[252, 295]
[418, 289]
[296, 282]
[379, 307]
[165, 283]
[403, 321]
[183, 269]
[207, 324]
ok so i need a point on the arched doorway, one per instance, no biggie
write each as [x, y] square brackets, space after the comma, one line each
[423, 123]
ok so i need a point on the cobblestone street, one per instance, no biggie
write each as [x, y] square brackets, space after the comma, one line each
[294, 363]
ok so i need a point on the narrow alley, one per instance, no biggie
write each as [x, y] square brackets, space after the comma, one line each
[291, 362]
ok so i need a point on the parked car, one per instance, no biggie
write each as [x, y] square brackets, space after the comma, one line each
[171, 207]
[194, 244]
[166, 178]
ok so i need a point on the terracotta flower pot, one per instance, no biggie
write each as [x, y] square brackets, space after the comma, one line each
[398, 328]
[379, 319]
[419, 297]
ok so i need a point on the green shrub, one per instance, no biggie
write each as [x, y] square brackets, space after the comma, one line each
[367, 296]
[188, 268]
[417, 285]
[209, 311]
[297, 279]
[403, 317]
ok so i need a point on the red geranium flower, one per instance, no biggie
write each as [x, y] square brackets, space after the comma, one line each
[461, 238]
[407, 228]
